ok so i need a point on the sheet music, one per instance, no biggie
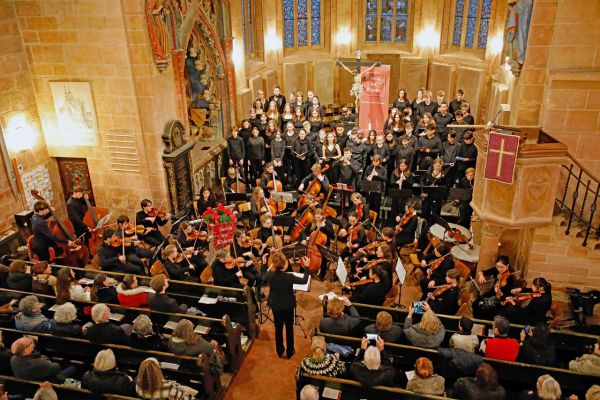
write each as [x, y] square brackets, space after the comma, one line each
[341, 271]
[400, 271]
[301, 288]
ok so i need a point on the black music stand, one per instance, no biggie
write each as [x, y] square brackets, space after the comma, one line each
[263, 310]
[435, 192]
[232, 197]
[460, 194]
[371, 186]
[396, 195]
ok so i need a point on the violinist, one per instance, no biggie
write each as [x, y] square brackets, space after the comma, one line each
[353, 234]
[321, 224]
[151, 219]
[136, 251]
[316, 174]
[434, 266]
[204, 202]
[76, 208]
[193, 242]
[233, 180]
[444, 298]
[359, 206]
[177, 267]
[433, 178]
[246, 253]
[225, 270]
[407, 226]
[529, 305]
[388, 235]
[112, 258]
[384, 258]
[373, 290]
[43, 238]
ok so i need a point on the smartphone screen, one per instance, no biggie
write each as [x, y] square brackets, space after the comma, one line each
[372, 336]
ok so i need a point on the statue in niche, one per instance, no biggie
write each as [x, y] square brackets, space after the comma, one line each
[516, 33]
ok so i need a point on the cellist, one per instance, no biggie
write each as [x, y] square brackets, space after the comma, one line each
[233, 180]
[76, 210]
[265, 231]
[43, 239]
[323, 225]
[267, 177]
[314, 175]
[257, 202]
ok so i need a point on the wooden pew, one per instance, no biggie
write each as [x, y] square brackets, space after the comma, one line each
[513, 376]
[192, 371]
[353, 390]
[27, 389]
[222, 330]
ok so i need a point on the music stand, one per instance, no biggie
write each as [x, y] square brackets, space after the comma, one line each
[460, 194]
[263, 316]
[435, 192]
[371, 186]
[285, 197]
[104, 220]
[300, 288]
[231, 197]
[343, 188]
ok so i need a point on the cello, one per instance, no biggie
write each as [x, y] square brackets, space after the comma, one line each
[73, 256]
[314, 188]
[275, 186]
[91, 218]
[313, 253]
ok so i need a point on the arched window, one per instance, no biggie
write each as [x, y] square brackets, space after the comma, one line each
[302, 23]
[469, 24]
[386, 21]
[252, 28]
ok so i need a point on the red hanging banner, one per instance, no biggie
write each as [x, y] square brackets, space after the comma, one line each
[374, 99]
[501, 157]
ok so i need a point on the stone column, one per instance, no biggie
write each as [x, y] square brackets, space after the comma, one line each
[490, 240]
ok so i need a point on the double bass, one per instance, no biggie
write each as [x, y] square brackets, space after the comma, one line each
[73, 256]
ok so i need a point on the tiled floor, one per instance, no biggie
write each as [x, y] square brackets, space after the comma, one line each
[265, 376]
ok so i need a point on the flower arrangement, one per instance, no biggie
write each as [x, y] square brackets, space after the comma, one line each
[220, 215]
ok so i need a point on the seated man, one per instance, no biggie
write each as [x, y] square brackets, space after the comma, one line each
[336, 321]
[371, 367]
[112, 258]
[224, 273]
[500, 347]
[103, 331]
[30, 365]
[160, 301]
[30, 317]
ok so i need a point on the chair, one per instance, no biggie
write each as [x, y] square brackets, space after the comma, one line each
[373, 216]
[33, 257]
[158, 268]
[557, 315]
[206, 276]
[253, 233]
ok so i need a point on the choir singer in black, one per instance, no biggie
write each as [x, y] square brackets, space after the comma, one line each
[282, 300]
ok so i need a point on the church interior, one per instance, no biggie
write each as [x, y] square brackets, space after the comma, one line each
[435, 157]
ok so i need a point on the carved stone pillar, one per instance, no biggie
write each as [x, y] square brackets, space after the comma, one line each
[490, 240]
[178, 167]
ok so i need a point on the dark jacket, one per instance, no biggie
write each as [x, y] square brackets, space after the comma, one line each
[224, 276]
[19, 281]
[281, 293]
[107, 295]
[394, 335]
[460, 362]
[151, 342]
[544, 355]
[108, 257]
[236, 148]
[256, 148]
[113, 381]
[467, 389]
[384, 376]
[344, 325]
[69, 330]
[34, 367]
[164, 303]
[106, 333]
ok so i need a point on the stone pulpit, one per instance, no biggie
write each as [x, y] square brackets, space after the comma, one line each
[510, 212]
[178, 167]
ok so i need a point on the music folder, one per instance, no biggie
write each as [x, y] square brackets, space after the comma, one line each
[231, 197]
[286, 197]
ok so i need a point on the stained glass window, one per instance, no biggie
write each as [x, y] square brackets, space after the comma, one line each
[471, 22]
[250, 29]
[386, 21]
[301, 23]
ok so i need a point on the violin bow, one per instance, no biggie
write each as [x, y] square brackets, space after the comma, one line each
[183, 254]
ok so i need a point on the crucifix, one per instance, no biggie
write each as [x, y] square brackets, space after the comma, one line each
[501, 153]
[356, 89]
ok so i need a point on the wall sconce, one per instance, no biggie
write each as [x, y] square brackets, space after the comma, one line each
[496, 43]
[272, 41]
[429, 38]
[20, 136]
[237, 53]
[343, 37]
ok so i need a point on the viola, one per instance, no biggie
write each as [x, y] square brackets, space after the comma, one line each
[197, 235]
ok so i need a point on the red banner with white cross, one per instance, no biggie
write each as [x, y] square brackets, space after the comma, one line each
[501, 157]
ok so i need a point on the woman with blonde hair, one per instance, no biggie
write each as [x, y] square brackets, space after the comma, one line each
[152, 385]
[428, 333]
[106, 377]
[321, 363]
[385, 328]
[425, 381]
[547, 388]
[184, 341]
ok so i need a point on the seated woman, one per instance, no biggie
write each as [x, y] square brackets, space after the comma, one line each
[371, 367]
[484, 386]
[43, 281]
[143, 337]
[130, 294]
[103, 290]
[106, 377]
[185, 341]
[588, 363]
[385, 328]
[68, 288]
[546, 388]
[321, 363]
[151, 384]
[428, 333]
[18, 278]
[536, 347]
[30, 318]
[65, 321]
[425, 381]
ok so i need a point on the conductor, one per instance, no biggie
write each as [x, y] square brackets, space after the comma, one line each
[282, 300]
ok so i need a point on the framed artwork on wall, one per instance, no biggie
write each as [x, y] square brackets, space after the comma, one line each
[75, 113]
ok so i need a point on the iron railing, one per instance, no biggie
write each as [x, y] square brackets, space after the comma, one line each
[580, 199]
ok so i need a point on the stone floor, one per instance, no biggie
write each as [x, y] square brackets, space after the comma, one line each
[263, 375]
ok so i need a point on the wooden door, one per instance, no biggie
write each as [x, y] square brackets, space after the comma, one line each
[74, 172]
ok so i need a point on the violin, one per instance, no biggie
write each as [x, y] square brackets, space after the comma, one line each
[433, 265]
[440, 290]
[360, 211]
[361, 283]
[195, 234]
[373, 263]
[521, 297]
[406, 218]
[138, 230]
[501, 282]
[116, 241]
[373, 246]
[155, 212]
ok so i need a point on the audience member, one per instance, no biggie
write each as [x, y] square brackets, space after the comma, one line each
[130, 294]
[43, 281]
[371, 367]
[337, 322]
[30, 365]
[18, 278]
[536, 347]
[68, 288]
[321, 363]
[160, 301]
[184, 341]
[65, 321]
[500, 347]
[385, 328]
[425, 381]
[4, 359]
[143, 337]
[45, 392]
[102, 330]
[546, 388]
[309, 392]
[151, 384]
[428, 333]
[103, 290]
[484, 386]
[30, 317]
[105, 376]
[588, 363]
[464, 339]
